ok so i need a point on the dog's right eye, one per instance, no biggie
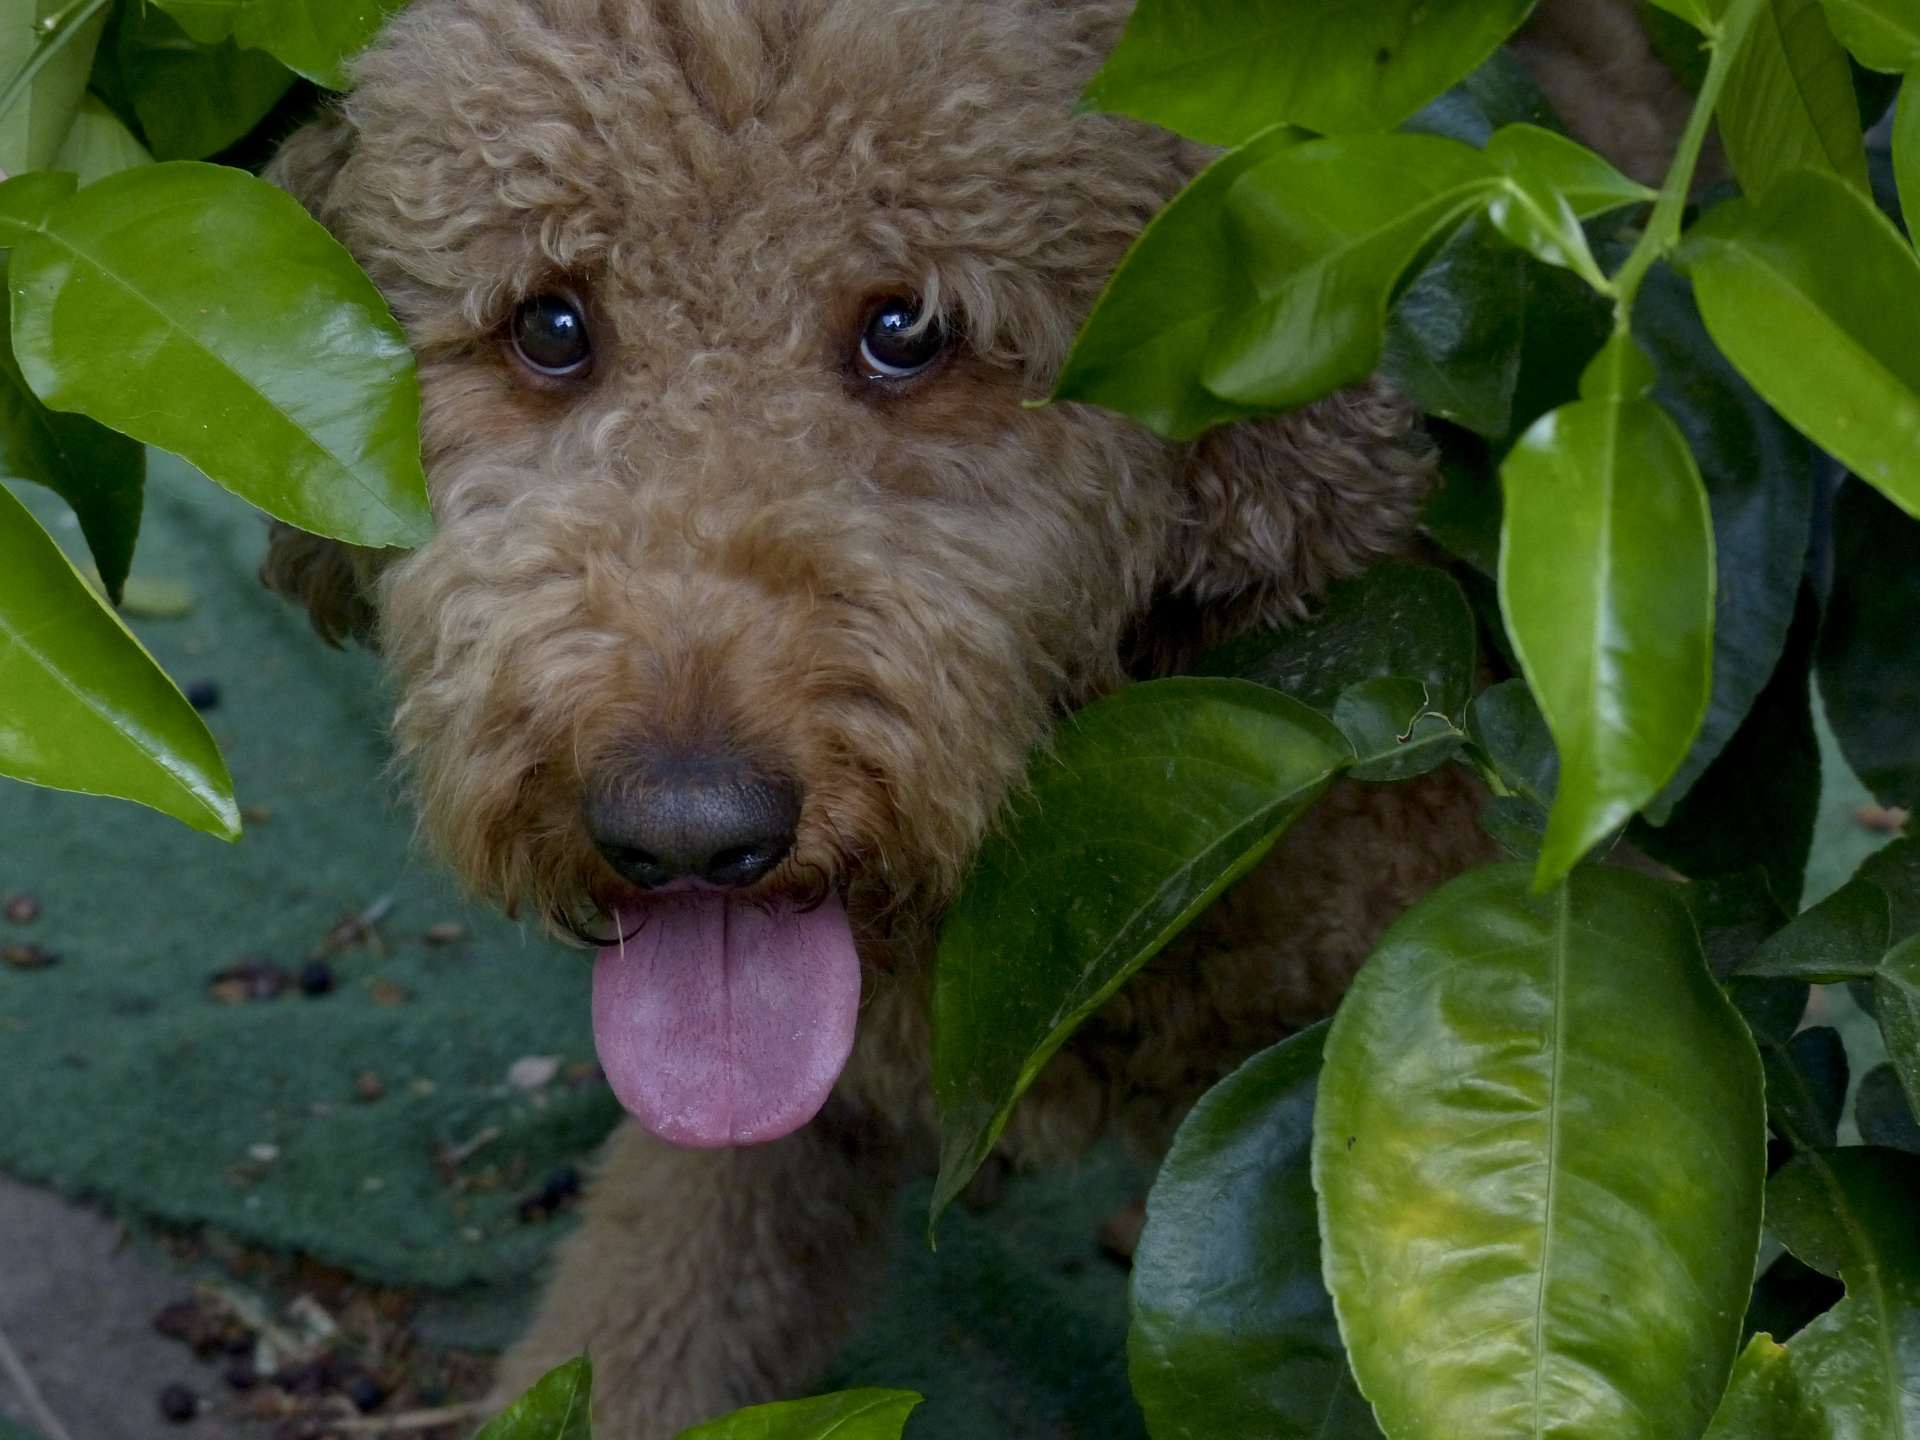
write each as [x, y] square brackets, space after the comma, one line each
[550, 334]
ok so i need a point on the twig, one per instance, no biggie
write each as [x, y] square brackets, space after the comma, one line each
[16, 1371]
[411, 1420]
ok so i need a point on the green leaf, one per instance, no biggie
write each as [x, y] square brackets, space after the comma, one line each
[1453, 338]
[1606, 584]
[193, 100]
[82, 705]
[99, 472]
[1327, 230]
[1698, 13]
[1463, 515]
[296, 390]
[1396, 619]
[1142, 349]
[27, 200]
[1756, 805]
[1870, 644]
[1760, 475]
[1849, 1213]
[1841, 938]
[1233, 1335]
[1395, 728]
[1549, 184]
[1896, 1005]
[1501, 91]
[1220, 72]
[845, 1415]
[1880, 34]
[1763, 1401]
[314, 38]
[1540, 1147]
[1906, 148]
[1789, 101]
[1149, 804]
[98, 145]
[558, 1407]
[1505, 722]
[1881, 1111]
[31, 132]
[1806, 1085]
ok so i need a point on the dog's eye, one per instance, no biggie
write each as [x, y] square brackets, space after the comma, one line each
[550, 334]
[897, 343]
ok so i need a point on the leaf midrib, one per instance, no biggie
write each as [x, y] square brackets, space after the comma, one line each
[1562, 925]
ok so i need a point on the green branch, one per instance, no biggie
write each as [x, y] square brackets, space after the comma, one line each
[1663, 229]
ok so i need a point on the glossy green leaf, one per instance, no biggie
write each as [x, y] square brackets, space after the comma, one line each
[1506, 723]
[1606, 583]
[31, 132]
[1789, 101]
[99, 472]
[1870, 644]
[1549, 185]
[314, 38]
[193, 100]
[1880, 34]
[82, 705]
[1849, 1213]
[1149, 804]
[1221, 71]
[296, 390]
[1760, 475]
[1454, 336]
[1540, 1147]
[844, 1415]
[1143, 348]
[1233, 1335]
[1396, 619]
[558, 1407]
[1500, 91]
[27, 200]
[1327, 230]
[98, 145]
[1763, 1400]
[1756, 805]
[1815, 296]
[1906, 147]
[1396, 728]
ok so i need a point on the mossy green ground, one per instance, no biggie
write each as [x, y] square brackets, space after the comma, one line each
[123, 1080]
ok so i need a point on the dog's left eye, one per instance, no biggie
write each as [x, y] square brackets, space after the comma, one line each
[897, 344]
[550, 334]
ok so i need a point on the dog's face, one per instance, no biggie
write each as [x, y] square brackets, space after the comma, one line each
[755, 584]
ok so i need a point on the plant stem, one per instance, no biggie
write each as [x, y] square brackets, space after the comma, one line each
[1663, 229]
[55, 31]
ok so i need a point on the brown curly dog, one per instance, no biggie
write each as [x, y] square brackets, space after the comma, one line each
[755, 586]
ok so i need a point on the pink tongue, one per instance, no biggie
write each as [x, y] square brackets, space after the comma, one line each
[721, 1022]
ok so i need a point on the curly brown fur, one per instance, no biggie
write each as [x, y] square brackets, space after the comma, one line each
[724, 537]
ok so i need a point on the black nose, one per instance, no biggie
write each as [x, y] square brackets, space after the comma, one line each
[662, 818]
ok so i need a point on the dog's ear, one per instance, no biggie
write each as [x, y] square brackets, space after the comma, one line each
[310, 160]
[1277, 510]
[331, 581]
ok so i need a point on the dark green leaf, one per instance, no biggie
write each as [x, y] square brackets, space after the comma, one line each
[1734, 915]
[296, 390]
[1606, 583]
[1397, 619]
[1463, 515]
[31, 132]
[558, 1407]
[1906, 148]
[1568, 323]
[1881, 1111]
[1806, 1086]
[1539, 1147]
[193, 100]
[1517, 825]
[1453, 338]
[1395, 728]
[1149, 804]
[1896, 1005]
[1850, 1213]
[1143, 348]
[315, 38]
[1763, 1401]
[1326, 230]
[1789, 101]
[1501, 91]
[82, 705]
[845, 1415]
[1508, 727]
[1881, 34]
[1233, 1336]
[1815, 297]
[1841, 938]
[1760, 476]
[1678, 44]
[99, 472]
[1870, 644]
[1756, 805]
[1698, 13]
[1221, 71]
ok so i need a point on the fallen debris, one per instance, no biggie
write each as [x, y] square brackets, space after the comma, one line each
[368, 1086]
[531, 1072]
[447, 932]
[562, 1187]
[28, 957]
[1120, 1232]
[1885, 818]
[248, 980]
[24, 908]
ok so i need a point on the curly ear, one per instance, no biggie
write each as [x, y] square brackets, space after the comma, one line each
[310, 161]
[330, 580]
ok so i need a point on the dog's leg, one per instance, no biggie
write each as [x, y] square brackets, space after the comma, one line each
[704, 1280]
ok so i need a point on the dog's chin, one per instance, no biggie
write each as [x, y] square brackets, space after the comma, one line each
[722, 1020]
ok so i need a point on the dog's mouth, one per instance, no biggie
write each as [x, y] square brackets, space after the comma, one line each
[725, 1021]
